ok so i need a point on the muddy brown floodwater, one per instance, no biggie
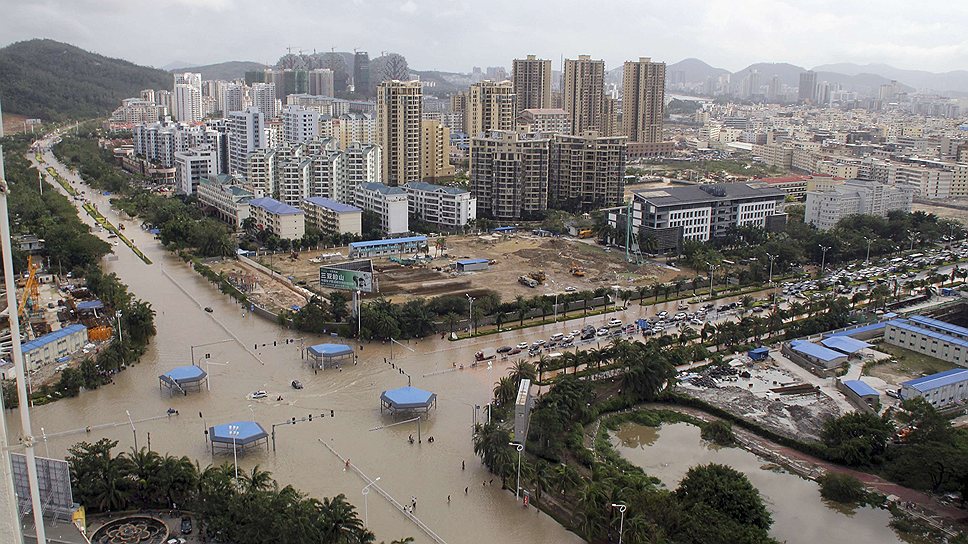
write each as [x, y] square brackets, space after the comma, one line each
[800, 514]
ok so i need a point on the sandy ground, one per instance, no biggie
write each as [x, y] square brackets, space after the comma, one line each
[264, 291]
[944, 212]
[513, 255]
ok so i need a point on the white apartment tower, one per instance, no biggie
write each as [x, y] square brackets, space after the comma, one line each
[509, 174]
[299, 124]
[188, 103]
[246, 132]
[264, 97]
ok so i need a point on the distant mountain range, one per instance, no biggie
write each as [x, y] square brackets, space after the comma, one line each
[956, 80]
[55, 81]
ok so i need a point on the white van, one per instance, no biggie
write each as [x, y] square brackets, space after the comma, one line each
[557, 337]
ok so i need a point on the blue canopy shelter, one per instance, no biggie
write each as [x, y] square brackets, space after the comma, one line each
[182, 379]
[238, 436]
[329, 355]
[407, 399]
[759, 354]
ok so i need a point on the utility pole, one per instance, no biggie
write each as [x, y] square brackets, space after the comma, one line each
[10, 516]
[823, 260]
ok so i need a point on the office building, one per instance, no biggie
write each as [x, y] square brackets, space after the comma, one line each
[321, 82]
[807, 91]
[246, 134]
[490, 106]
[299, 124]
[545, 121]
[399, 128]
[930, 179]
[583, 86]
[286, 222]
[643, 100]
[188, 103]
[193, 165]
[587, 171]
[332, 217]
[435, 151]
[450, 208]
[226, 198]
[531, 78]
[663, 218]
[389, 203]
[825, 208]
[264, 98]
[931, 337]
[509, 174]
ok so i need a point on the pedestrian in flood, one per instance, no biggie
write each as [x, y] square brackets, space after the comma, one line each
[462, 465]
[448, 499]
[465, 489]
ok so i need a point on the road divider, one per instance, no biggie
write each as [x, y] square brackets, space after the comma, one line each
[101, 220]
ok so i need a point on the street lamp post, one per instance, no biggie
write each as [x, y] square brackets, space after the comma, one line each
[711, 268]
[470, 314]
[118, 314]
[208, 370]
[621, 522]
[234, 433]
[133, 430]
[520, 448]
[823, 259]
[366, 508]
[772, 258]
[556, 307]
[868, 258]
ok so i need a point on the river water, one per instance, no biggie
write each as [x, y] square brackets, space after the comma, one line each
[800, 514]
[248, 361]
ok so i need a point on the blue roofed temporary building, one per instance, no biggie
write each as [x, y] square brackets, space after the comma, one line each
[238, 436]
[504, 230]
[407, 399]
[389, 246]
[845, 344]
[55, 345]
[472, 265]
[330, 355]
[941, 390]
[817, 355]
[931, 337]
[759, 354]
[864, 332]
[860, 394]
[183, 379]
[89, 307]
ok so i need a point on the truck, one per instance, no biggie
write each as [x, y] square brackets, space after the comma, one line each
[586, 233]
[527, 281]
[485, 354]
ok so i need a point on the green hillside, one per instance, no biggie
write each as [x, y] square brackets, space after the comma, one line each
[56, 81]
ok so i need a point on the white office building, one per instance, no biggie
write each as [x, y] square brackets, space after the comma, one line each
[449, 207]
[389, 203]
[825, 208]
[285, 221]
[247, 134]
[192, 166]
[332, 217]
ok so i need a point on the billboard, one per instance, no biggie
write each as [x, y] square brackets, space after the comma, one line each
[346, 280]
[54, 483]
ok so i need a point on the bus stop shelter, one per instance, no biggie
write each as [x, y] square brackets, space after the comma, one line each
[183, 379]
[238, 436]
[329, 355]
[407, 399]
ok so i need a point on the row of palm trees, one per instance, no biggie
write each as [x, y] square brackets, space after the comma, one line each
[250, 508]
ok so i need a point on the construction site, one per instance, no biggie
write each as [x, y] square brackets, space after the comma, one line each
[511, 264]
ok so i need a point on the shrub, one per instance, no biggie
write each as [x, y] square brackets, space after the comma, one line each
[841, 487]
[719, 432]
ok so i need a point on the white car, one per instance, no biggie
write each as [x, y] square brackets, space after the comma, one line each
[603, 332]
[537, 343]
[571, 289]
[522, 345]
[662, 314]
[575, 333]
[679, 316]
[568, 338]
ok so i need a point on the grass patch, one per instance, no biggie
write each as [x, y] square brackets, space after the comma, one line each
[913, 363]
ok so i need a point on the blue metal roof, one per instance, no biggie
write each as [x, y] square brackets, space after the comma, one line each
[859, 330]
[934, 381]
[274, 206]
[424, 186]
[759, 350]
[248, 431]
[52, 337]
[388, 241]
[845, 344]
[813, 350]
[408, 397]
[331, 204]
[903, 324]
[382, 188]
[90, 305]
[860, 388]
[472, 261]
[504, 229]
[185, 374]
[938, 324]
[330, 350]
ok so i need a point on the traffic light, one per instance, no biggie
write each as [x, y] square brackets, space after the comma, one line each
[293, 420]
[310, 417]
[331, 414]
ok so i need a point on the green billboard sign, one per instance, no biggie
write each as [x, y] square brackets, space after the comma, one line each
[346, 280]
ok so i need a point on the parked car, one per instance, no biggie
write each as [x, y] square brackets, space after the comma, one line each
[504, 349]
[602, 332]
[614, 322]
[186, 525]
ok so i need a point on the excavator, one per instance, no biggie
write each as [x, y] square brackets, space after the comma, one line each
[577, 270]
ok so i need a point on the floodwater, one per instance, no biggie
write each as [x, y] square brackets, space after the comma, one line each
[800, 514]
[248, 353]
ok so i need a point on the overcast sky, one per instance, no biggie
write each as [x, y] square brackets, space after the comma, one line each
[455, 35]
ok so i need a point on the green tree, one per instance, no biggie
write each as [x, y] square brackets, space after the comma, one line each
[725, 490]
[841, 487]
[858, 438]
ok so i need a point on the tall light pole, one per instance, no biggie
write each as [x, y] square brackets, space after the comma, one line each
[133, 430]
[470, 313]
[208, 370]
[823, 260]
[520, 448]
[366, 508]
[621, 522]
[556, 307]
[868, 258]
[234, 433]
[772, 258]
[711, 268]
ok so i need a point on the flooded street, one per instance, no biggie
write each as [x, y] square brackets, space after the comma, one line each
[800, 515]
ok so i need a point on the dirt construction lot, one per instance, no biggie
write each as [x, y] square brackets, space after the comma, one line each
[512, 255]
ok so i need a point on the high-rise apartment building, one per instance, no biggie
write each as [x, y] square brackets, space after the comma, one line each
[188, 103]
[260, 173]
[321, 82]
[232, 98]
[264, 97]
[353, 127]
[363, 165]
[246, 133]
[643, 100]
[299, 124]
[398, 107]
[531, 77]
[546, 121]
[808, 87]
[509, 174]
[192, 166]
[587, 171]
[490, 106]
[583, 86]
[361, 74]
[435, 151]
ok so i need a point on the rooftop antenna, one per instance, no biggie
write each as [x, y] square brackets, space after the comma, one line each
[8, 497]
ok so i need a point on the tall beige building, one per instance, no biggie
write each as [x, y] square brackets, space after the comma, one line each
[583, 87]
[490, 106]
[587, 171]
[531, 77]
[643, 100]
[398, 111]
[435, 151]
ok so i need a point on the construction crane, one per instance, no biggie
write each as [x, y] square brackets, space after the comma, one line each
[31, 292]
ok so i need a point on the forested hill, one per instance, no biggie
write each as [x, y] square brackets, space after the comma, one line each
[55, 81]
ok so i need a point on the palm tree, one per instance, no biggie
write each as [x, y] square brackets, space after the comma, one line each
[542, 363]
[491, 445]
[257, 480]
[505, 390]
[339, 520]
[522, 370]
[522, 309]
[144, 466]
[564, 478]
